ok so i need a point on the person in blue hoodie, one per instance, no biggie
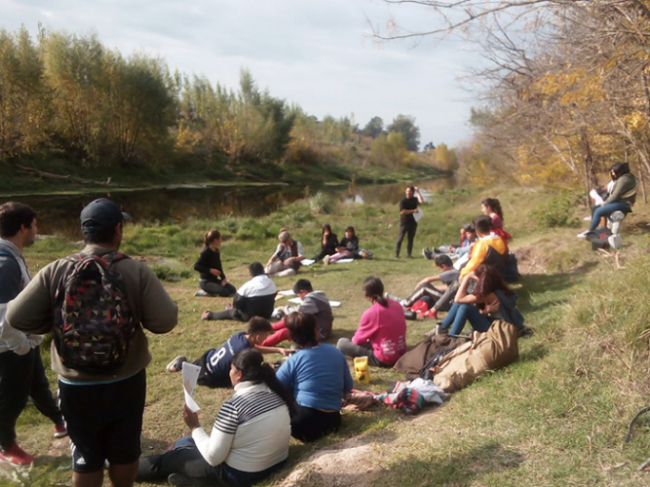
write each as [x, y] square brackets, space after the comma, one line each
[490, 300]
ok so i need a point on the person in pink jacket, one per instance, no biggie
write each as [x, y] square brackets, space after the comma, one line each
[382, 332]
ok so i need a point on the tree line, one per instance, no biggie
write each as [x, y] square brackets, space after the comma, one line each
[68, 96]
[567, 86]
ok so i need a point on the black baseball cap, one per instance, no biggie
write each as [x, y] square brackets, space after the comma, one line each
[101, 213]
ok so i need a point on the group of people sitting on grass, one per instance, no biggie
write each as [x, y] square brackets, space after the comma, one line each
[285, 261]
[303, 398]
[473, 288]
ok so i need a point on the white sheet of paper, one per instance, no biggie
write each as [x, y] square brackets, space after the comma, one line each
[333, 304]
[288, 292]
[344, 261]
[307, 261]
[418, 215]
[190, 376]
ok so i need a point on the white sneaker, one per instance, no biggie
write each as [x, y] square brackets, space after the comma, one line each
[176, 365]
[584, 234]
[587, 218]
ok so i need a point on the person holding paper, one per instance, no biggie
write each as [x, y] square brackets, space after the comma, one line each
[215, 363]
[249, 440]
[408, 225]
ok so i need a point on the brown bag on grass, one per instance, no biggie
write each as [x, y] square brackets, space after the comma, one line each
[491, 350]
[413, 361]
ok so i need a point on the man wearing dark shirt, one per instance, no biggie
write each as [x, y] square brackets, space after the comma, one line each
[407, 224]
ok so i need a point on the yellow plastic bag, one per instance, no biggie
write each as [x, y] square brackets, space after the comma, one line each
[361, 370]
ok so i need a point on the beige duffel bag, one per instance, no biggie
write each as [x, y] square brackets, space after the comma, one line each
[491, 350]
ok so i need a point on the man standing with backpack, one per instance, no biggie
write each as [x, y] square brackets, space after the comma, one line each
[21, 370]
[96, 304]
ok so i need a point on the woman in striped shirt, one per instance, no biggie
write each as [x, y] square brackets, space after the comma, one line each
[249, 439]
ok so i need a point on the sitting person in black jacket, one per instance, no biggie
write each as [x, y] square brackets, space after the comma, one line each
[347, 249]
[212, 278]
[328, 244]
[254, 298]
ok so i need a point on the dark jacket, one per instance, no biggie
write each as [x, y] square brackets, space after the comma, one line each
[509, 311]
[209, 260]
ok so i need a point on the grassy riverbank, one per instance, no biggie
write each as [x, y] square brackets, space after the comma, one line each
[59, 176]
[556, 417]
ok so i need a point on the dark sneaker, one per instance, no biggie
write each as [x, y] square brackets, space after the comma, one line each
[185, 480]
[526, 332]
[427, 253]
[176, 365]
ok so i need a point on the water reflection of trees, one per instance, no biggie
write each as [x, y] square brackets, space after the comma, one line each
[59, 215]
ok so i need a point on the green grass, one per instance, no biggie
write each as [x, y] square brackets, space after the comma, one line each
[558, 416]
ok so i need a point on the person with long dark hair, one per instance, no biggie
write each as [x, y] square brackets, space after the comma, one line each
[491, 299]
[492, 208]
[249, 440]
[328, 243]
[621, 198]
[381, 335]
[212, 277]
[319, 377]
[348, 248]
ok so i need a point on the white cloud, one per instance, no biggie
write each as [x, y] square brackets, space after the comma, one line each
[319, 55]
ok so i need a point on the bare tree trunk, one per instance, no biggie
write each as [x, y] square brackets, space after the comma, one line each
[590, 179]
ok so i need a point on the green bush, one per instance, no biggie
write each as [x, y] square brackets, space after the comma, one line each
[320, 204]
[558, 212]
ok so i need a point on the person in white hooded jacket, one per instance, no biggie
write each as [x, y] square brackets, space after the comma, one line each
[21, 369]
[255, 298]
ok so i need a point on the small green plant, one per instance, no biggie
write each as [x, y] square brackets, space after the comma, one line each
[558, 212]
[320, 204]
[169, 274]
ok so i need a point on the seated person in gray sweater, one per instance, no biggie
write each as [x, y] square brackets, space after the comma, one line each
[314, 303]
[254, 298]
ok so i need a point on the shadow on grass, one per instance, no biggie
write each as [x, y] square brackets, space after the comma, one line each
[554, 286]
[456, 469]
[534, 353]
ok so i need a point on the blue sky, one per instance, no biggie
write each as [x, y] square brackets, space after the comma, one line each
[318, 54]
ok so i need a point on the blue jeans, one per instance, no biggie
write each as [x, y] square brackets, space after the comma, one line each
[460, 313]
[607, 210]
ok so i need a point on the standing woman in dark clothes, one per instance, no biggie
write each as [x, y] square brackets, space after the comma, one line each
[328, 243]
[407, 223]
[213, 279]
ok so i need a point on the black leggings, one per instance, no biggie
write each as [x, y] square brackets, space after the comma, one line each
[310, 424]
[217, 289]
[186, 459]
[408, 230]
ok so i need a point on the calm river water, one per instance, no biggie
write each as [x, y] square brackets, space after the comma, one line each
[59, 214]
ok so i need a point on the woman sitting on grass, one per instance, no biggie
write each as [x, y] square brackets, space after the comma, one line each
[249, 439]
[492, 208]
[348, 249]
[212, 278]
[490, 300]
[382, 331]
[328, 244]
[287, 257]
[319, 377]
